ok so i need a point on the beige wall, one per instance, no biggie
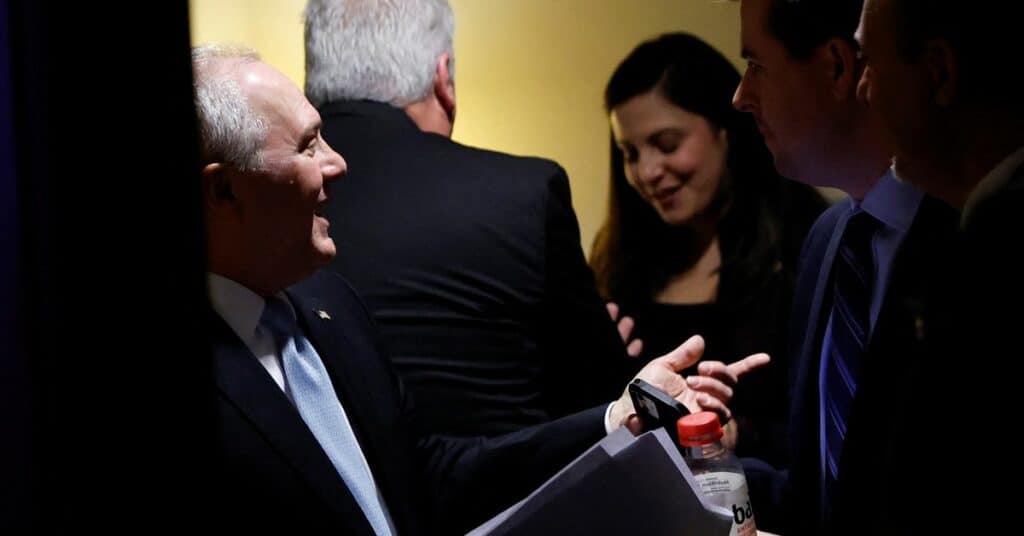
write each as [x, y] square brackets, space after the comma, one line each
[529, 73]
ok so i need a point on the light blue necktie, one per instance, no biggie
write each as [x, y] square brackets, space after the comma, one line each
[318, 404]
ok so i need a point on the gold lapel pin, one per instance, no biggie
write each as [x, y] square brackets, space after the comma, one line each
[323, 314]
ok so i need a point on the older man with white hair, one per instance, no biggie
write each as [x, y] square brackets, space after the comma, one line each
[314, 429]
[469, 259]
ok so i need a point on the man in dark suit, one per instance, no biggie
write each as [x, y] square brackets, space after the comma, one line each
[936, 73]
[314, 429]
[470, 260]
[863, 279]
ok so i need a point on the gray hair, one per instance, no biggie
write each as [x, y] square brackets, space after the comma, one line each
[381, 50]
[229, 130]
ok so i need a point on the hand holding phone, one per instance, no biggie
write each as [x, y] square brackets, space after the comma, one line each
[656, 408]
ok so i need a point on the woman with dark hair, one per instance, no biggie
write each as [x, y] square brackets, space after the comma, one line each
[702, 234]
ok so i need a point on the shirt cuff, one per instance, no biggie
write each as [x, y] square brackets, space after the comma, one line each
[608, 428]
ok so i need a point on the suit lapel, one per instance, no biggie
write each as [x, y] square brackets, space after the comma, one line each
[328, 327]
[810, 350]
[242, 379]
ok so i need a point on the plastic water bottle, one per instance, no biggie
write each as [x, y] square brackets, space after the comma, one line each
[716, 469]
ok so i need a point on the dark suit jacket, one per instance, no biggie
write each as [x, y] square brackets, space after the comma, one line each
[968, 402]
[868, 496]
[275, 476]
[470, 261]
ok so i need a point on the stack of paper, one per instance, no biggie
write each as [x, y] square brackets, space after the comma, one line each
[621, 485]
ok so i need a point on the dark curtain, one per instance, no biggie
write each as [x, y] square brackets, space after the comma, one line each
[107, 383]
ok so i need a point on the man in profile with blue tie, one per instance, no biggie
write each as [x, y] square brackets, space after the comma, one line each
[864, 278]
[314, 429]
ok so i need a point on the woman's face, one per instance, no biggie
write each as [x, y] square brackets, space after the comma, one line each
[673, 158]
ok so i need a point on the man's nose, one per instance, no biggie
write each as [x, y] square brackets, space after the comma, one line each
[334, 165]
[742, 99]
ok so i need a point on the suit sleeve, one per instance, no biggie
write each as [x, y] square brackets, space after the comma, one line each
[466, 481]
[586, 359]
[470, 480]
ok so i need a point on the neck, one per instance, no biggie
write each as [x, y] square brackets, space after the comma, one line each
[222, 261]
[864, 156]
[430, 116]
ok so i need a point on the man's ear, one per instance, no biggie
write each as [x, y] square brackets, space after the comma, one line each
[444, 86]
[940, 65]
[216, 186]
[843, 68]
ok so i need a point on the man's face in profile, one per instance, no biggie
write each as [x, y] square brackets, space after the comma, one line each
[280, 204]
[789, 98]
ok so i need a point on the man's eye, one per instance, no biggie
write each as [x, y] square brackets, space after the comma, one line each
[754, 67]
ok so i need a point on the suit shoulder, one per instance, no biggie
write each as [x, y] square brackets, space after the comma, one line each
[524, 165]
[329, 288]
[820, 233]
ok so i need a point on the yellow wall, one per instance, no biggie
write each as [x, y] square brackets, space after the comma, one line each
[529, 73]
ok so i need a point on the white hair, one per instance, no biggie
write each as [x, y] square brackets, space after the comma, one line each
[229, 130]
[381, 50]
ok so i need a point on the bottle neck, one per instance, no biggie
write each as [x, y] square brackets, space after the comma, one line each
[713, 449]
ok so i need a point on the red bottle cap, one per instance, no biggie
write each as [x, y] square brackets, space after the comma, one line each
[699, 429]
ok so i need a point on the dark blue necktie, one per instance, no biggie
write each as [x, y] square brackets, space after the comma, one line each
[853, 280]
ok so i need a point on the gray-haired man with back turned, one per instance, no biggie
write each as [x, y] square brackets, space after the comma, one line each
[470, 260]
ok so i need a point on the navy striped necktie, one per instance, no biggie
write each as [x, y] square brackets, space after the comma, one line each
[853, 282]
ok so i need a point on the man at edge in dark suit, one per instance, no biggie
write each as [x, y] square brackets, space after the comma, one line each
[864, 278]
[938, 75]
[469, 259]
[314, 430]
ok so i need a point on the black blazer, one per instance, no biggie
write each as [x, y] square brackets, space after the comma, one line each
[869, 495]
[968, 401]
[470, 261]
[273, 474]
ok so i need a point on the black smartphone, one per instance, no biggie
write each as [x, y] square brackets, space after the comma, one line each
[656, 408]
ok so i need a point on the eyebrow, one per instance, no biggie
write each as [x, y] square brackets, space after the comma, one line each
[310, 132]
[746, 53]
[653, 136]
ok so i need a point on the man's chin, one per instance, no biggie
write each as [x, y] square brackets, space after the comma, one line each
[325, 252]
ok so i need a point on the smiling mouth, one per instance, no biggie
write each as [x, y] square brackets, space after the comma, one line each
[665, 195]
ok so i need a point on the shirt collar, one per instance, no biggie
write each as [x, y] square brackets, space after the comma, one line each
[240, 307]
[893, 201]
[992, 182]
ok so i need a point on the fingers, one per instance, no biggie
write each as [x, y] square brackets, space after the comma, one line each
[748, 364]
[719, 371]
[710, 386]
[710, 403]
[730, 374]
[685, 354]
[635, 348]
[633, 423]
[613, 310]
[625, 328]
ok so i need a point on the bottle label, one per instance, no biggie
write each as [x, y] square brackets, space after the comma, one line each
[730, 490]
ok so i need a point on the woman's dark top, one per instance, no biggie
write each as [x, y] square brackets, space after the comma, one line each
[742, 322]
